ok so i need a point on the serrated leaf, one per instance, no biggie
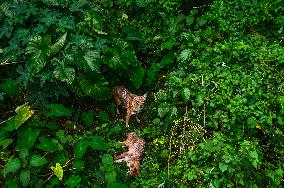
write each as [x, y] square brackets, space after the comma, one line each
[98, 143]
[55, 48]
[12, 166]
[185, 94]
[48, 145]
[57, 171]
[5, 143]
[27, 138]
[80, 148]
[168, 44]
[73, 181]
[253, 154]
[64, 74]
[185, 55]
[58, 110]
[25, 177]
[223, 167]
[163, 109]
[37, 161]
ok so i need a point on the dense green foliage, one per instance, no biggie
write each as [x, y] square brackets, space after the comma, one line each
[213, 71]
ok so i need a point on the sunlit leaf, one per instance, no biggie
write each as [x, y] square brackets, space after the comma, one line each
[57, 171]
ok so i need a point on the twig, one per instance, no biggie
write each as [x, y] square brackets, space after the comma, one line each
[203, 106]
[8, 62]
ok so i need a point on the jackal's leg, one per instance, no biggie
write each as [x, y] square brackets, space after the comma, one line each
[127, 117]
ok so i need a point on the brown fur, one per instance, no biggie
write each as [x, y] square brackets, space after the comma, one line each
[131, 102]
[136, 149]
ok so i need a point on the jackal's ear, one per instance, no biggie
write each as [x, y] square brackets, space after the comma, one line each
[145, 95]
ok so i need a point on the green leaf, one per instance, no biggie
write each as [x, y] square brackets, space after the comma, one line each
[253, 154]
[73, 181]
[107, 163]
[98, 143]
[48, 145]
[61, 135]
[185, 55]
[5, 143]
[163, 109]
[92, 62]
[9, 86]
[167, 60]
[88, 118]
[12, 166]
[185, 94]
[57, 171]
[37, 161]
[27, 138]
[58, 110]
[99, 89]
[223, 167]
[200, 99]
[168, 44]
[79, 165]
[81, 148]
[64, 74]
[55, 48]
[25, 177]
[110, 176]
[117, 185]
[38, 50]
[103, 116]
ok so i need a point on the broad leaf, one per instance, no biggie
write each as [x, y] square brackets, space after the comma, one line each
[98, 143]
[57, 171]
[25, 177]
[48, 145]
[23, 114]
[58, 110]
[37, 161]
[64, 74]
[73, 181]
[12, 166]
[27, 138]
[99, 89]
[80, 148]
[117, 185]
[87, 117]
[55, 48]
[5, 143]
[136, 75]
